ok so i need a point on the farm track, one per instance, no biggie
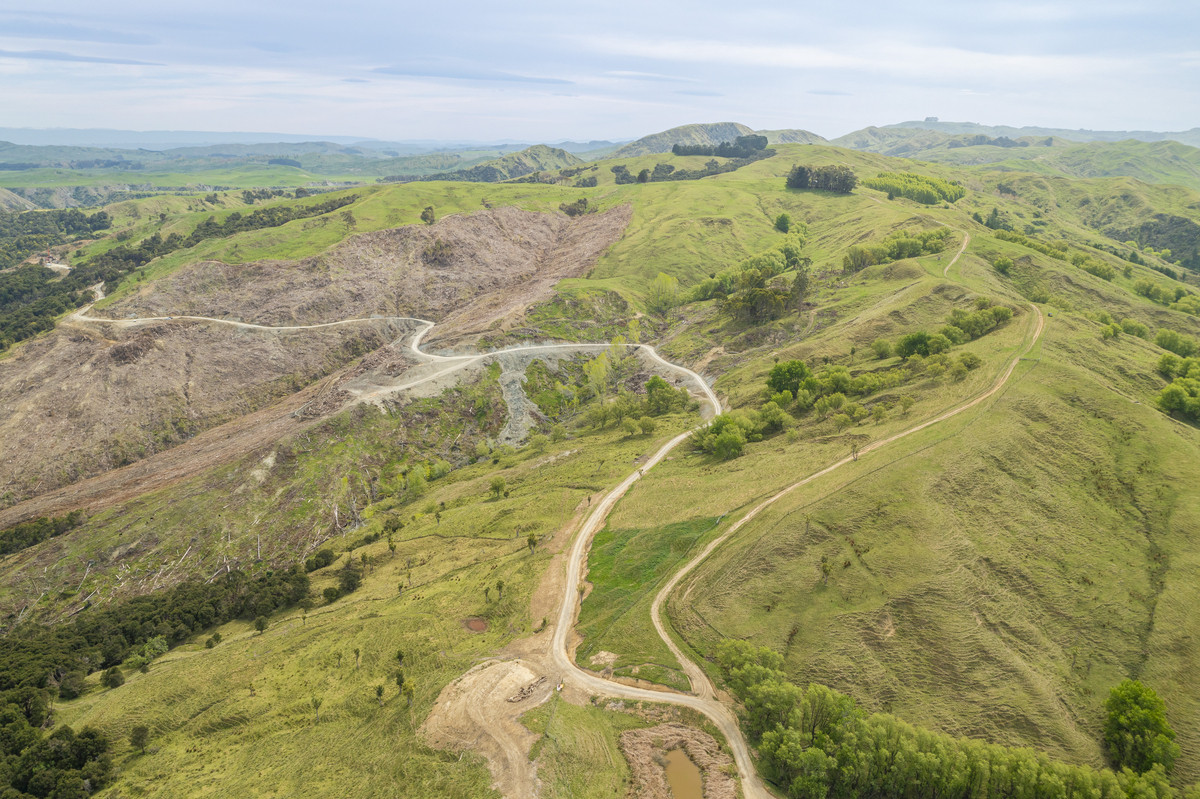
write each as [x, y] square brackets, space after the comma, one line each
[703, 698]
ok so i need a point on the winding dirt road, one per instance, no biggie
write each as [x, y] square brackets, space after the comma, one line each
[703, 698]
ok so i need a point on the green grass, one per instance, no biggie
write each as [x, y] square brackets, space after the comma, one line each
[627, 568]
[1005, 568]
[579, 754]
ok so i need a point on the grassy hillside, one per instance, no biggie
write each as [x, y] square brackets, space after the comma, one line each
[991, 576]
[710, 133]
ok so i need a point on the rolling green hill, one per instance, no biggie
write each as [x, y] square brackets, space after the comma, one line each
[991, 576]
[709, 133]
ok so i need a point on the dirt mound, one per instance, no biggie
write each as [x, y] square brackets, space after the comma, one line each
[646, 749]
[474, 713]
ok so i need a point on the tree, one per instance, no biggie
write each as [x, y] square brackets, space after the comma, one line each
[316, 705]
[730, 443]
[799, 288]
[499, 590]
[138, 736]
[409, 692]
[260, 624]
[917, 343]
[497, 486]
[798, 178]
[427, 215]
[643, 176]
[647, 425]
[113, 678]
[71, 685]
[663, 294]
[531, 542]
[882, 348]
[783, 223]
[379, 694]
[629, 426]
[1002, 265]
[1136, 732]
[788, 376]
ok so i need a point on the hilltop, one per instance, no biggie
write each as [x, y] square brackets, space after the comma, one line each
[708, 134]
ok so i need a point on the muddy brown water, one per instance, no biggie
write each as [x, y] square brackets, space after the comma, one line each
[476, 625]
[683, 776]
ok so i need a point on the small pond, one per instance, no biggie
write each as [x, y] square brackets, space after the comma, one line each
[683, 776]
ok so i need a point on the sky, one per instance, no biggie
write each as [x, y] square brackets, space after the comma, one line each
[553, 71]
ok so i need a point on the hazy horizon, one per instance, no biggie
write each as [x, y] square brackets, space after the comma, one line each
[616, 72]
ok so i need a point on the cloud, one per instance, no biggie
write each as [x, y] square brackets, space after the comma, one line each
[929, 62]
[699, 93]
[649, 76]
[464, 73]
[355, 80]
[54, 55]
[45, 29]
[829, 93]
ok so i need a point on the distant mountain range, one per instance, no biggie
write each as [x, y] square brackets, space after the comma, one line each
[1191, 137]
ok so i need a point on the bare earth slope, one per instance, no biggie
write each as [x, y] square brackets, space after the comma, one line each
[90, 397]
[499, 256]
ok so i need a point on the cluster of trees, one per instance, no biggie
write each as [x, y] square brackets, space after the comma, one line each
[39, 660]
[32, 296]
[663, 172]
[250, 196]
[272, 216]
[1054, 250]
[994, 220]
[839, 179]
[1182, 395]
[728, 433]
[577, 208]
[1094, 267]
[23, 233]
[902, 244]
[61, 765]
[1177, 297]
[1176, 342]
[920, 188]
[980, 140]
[1178, 235]
[741, 147]
[1113, 329]
[817, 743]
[793, 386]
[757, 289]
[660, 398]
[26, 534]
[961, 326]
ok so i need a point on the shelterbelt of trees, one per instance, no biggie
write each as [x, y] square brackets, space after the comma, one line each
[818, 744]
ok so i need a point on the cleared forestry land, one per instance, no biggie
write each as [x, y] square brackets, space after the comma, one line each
[90, 397]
